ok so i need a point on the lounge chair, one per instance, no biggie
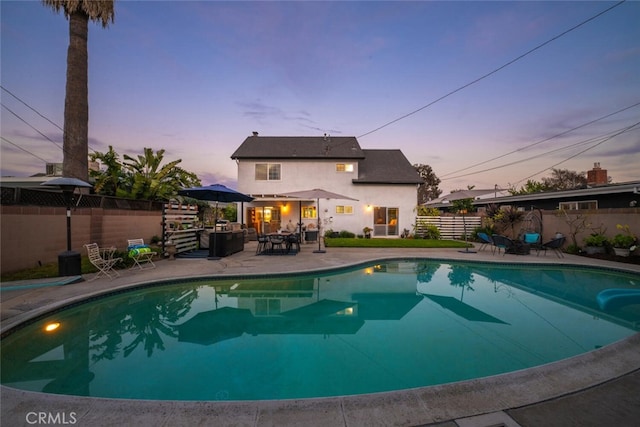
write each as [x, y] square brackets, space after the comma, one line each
[140, 253]
[534, 240]
[103, 260]
[555, 245]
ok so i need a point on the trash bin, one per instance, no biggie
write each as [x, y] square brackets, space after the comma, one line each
[69, 264]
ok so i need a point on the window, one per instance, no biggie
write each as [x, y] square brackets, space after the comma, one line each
[309, 212]
[585, 204]
[267, 307]
[348, 210]
[344, 167]
[267, 172]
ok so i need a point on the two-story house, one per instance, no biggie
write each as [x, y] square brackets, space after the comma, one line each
[383, 182]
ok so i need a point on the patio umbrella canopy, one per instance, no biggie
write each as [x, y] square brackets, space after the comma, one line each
[316, 193]
[215, 193]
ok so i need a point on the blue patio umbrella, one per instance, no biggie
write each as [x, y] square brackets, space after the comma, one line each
[215, 193]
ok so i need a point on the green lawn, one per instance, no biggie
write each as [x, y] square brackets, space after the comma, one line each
[339, 242]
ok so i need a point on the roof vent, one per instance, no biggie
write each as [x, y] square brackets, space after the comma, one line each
[255, 133]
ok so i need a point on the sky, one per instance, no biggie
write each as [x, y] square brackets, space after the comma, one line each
[486, 93]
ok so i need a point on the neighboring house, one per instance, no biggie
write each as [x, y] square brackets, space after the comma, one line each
[383, 182]
[443, 202]
[605, 196]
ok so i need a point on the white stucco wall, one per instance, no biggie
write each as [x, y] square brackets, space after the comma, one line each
[309, 174]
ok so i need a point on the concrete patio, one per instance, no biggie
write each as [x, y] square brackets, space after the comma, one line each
[599, 388]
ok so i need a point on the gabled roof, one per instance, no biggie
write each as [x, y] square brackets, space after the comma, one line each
[386, 167]
[299, 147]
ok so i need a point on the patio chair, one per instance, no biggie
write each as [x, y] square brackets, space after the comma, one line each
[293, 241]
[555, 245]
[140, 253]
[103, 260]
[263, 243]
[485, 241]
[502, 243]
[534, 240]
[277, 242]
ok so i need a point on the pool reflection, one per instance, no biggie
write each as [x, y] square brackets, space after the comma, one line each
[141, 323]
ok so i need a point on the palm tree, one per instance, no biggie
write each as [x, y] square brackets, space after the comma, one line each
[147, 178]
[108, 181]
[75, 163]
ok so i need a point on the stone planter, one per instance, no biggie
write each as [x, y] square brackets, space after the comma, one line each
[592, 250]
[621, 251]
[171, 250]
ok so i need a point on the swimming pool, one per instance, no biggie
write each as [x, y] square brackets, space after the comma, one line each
[378, 327]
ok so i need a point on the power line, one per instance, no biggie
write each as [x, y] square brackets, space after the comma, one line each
[26, 151]
[494, 71]
[32, 127]
[31, 108]
[628, 128]
[541, 141]
[584, 142]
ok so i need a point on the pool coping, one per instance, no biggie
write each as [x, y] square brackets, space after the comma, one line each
[419, 406]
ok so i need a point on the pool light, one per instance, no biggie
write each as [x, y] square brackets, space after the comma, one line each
[50, 327]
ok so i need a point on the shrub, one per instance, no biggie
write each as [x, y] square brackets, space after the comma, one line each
[431, 232]
[346, 234]
[596, 239]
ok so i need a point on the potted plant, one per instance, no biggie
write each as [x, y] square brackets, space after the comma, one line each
[625, 242]
[367, 232]
[596, 243]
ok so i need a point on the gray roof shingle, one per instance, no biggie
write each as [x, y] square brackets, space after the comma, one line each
[386, 167]
[374, 166]
[299, 147]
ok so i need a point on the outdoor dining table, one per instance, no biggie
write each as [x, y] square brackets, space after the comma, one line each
[280, 243]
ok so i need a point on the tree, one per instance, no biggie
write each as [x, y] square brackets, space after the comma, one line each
[108, 181]
[428, 190]
[532, 186]
[564, 179]
[75, 163]
[146, 177]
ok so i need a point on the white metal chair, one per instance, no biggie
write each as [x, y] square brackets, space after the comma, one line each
[140, 254]
[103, 260]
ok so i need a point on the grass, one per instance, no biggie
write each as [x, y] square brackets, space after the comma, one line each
[51, 270]
[340, 242]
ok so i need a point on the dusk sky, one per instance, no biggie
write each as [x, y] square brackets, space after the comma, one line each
[503, 95]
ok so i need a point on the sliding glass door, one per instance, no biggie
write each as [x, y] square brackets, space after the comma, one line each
[385, 221]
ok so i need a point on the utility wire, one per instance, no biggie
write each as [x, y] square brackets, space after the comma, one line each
[584, 142]
[26, 151]
[627, 129]
[544, 140]
[32, 127]
[494, 71]
[31, 108]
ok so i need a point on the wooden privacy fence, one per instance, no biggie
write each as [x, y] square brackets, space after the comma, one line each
[179, 225]
[451, 227]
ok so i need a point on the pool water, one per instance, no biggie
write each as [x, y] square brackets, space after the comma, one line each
[378, 327]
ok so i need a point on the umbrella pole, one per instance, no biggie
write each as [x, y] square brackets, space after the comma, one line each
[214, 256]
[466, 250]
[319, 251]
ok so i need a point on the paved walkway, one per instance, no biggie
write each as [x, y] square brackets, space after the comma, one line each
[600, 388]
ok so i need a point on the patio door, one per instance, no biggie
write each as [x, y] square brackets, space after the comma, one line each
[385, 221]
